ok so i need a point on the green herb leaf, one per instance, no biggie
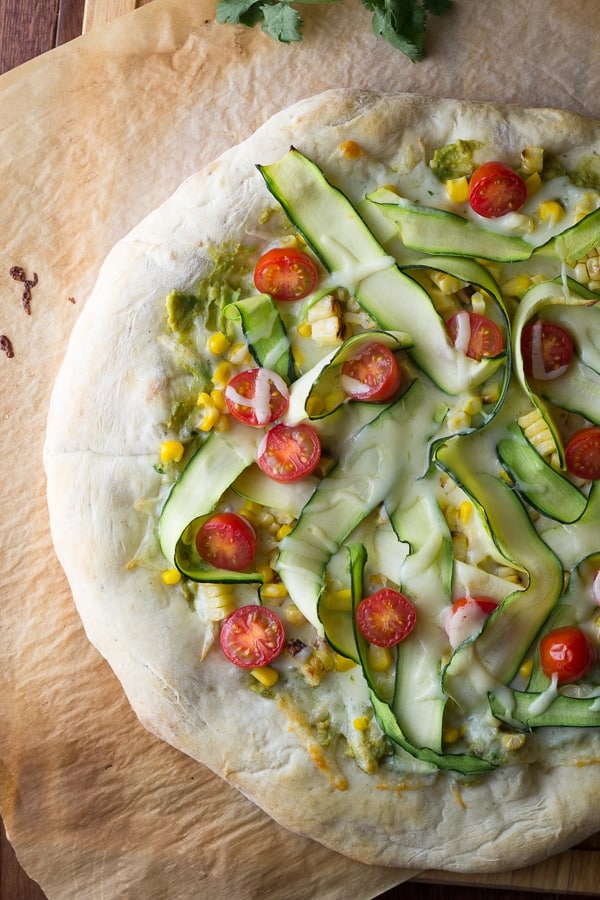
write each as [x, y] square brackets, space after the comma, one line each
[282, 21]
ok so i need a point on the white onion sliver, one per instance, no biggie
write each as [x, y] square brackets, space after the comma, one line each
[353, 386]
[463, 331]
[596, 588]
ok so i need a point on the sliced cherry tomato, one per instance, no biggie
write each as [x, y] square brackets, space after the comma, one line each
[567, 653]
[373, 374]
[257, 397]
[582, 454]
[289, 452]
[495, 190]
[252, 636]
[386, 617]
[476, 335]
[286, 274]
[227, 541]
[466, 617]
[547, 349]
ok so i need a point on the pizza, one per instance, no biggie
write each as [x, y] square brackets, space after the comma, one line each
[323, 465]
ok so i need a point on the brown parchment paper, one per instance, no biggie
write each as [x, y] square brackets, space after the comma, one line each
[92, 136]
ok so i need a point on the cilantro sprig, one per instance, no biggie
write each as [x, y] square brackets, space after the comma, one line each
[401, 22]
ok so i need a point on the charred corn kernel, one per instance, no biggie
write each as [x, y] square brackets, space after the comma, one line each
[283, 531]
[293, 615]
[171, 451]
[351, 150]
[361, 723]
[380, 658]
[339, 600]
[171, 576]
[334, 399]
[458, 189]
[532, 159]
[465, 511]
[222, 373]
[239, 355]
[218, 343]
[218, 398]
[324, 308]
[516, 286]
[447, 284]
[513, 741]
[342, 663]
[274, 591]
[526, 668]
[265, 675]
[314, 406]
[304, 330]
[533, 183]
[550, 211]
[450, 734]
[327, 332]
[324, 657]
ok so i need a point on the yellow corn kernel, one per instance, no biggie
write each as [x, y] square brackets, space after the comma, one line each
[525, 669]
[447, 284]
[516, 286]
[275, 590]
[580, 273]
[478, 303]
[171, 451]
[220, 601]
[342, 663]
[361, 723]
[585, 205]
[265, 675]
[218, 343]
[465, 511]
[222, 373]
[293, 615]
[533, 184]
[210, 419]
[304, 330]
[550, 211]
[450, 734]
[328, 331]
[458, 189]
[218, 398]
[324, 658]
[171, 576]
[239, 355]
[380, 658]
[513, 741]
[267, 572]
[471, 404]
[283, 531]
[532, 159]
[351, 150]
[458, 420]
[222, 424]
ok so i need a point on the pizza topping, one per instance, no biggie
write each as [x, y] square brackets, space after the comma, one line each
[372, 374]
[495, 190]
[466, 617]
[257, 397]
[18, 274]
[477, 336]
[252, 636]
[547, 349]
[386, 617]
[582, 454]
[289, 452]
[6, 346]
[567, 653]
[227, 541]
[286, 274]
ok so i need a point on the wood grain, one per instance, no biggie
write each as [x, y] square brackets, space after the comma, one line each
[101, 12]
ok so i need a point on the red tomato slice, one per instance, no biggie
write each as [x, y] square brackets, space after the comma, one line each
[257, 397]
[466, 617]
[227, 541]
[495, 190]
[485, 604]
[252, 636]
[289, 452]
[582, 454]
[547, 349]
[566, 652]
[474, 334]
[372, 375]
[286, 274]
[386, 617]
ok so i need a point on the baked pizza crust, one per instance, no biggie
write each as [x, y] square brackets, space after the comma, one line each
[104, 427]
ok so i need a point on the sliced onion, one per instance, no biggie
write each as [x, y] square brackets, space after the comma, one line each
[463, 331]
[596, 588]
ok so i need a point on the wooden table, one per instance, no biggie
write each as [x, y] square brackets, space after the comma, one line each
[27, 29]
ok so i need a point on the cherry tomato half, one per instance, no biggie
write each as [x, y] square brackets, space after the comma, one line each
[466, 617]
[485, 604]
[227, 541]
[476, 335]
[289, 452]
[495, 190]
[372, 374]
[386, 617]
[547, 349]
[252, 636]
[286, 274]
[566, 652]
[582, 454]
[257, 397]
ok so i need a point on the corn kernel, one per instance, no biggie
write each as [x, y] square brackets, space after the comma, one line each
[218, 343]
[171, 451]
[239, 355]
[533, 184]
[275, 590]
[210, 419]
[380, 658]
[513, 741]
[525, 669]
[447, 284]
[283, 531]
[171, 576]
[465, 511]
[293, 615]
[342, 663]
[323, 658]
[222, 373]
[458, 189]
[516, 286]
[222, 424]
[478, 303]
[267, 573]
[532, 159]
[266, 675]
[361, 723]
[450, 734]
[218, 398]
[304, 329]
[351, 150]
[550, 211]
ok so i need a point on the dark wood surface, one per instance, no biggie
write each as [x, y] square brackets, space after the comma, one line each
[27, 29]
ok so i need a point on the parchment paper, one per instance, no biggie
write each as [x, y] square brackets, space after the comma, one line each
[92, 136]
